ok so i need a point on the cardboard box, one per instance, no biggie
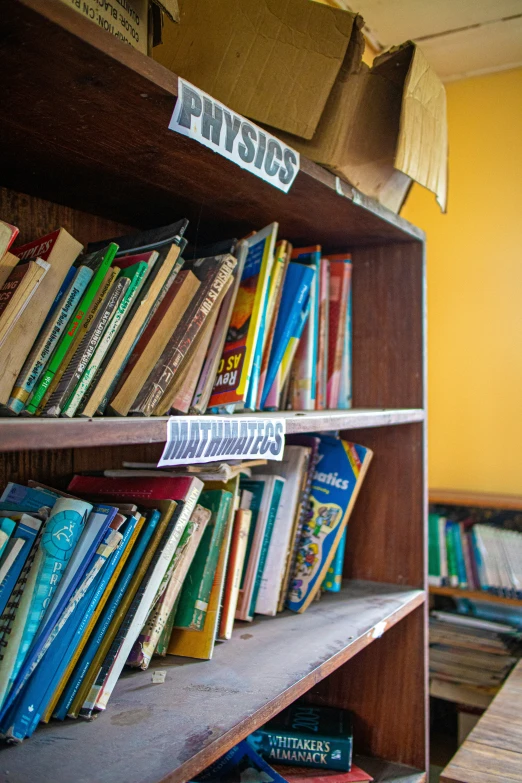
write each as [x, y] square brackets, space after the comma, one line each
[275, 62]
[129, 20]
[384, 126]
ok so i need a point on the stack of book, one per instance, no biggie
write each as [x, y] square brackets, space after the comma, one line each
[475, 556]
[145, 324]
[470, 657]
[131, 563]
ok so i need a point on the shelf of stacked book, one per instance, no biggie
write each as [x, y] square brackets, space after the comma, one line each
[133, 168]
[171, 731]
[473, 595]
[18, 434]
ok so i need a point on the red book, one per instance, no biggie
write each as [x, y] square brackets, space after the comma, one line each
[340, 277]
[134, 489]
[309, 775]
[322, 342]
[8, 234]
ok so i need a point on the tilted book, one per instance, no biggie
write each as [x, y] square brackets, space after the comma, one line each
[17, 292]
[20, 545]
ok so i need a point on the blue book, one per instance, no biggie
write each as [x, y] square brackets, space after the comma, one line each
[17, 497]
[25, 713]
[107, 615]
[296, 292]
[63, 288]
[26, 531]
[7, 527]
[240, 763]
[311, 256]
[334, 576]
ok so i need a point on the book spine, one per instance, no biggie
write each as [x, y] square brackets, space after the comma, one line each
[290, 747]
[85, 350]
[106, 258]
[201, 604]
[235, 569]
[334, 576]
[12, 314]
[345, 391]
[452, 556]
[181, 341]
[46, 343]
[68, 279]
[322, 338]
[26, 531]
[271, 518]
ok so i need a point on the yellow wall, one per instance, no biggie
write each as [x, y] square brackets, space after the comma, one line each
[475, 291]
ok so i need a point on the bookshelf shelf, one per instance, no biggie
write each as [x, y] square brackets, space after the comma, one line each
[453, 497]
[18, 434]
[169, 732]
[474, 595]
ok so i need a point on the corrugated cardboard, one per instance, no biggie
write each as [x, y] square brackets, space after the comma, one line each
[273, 61]
[384, 126]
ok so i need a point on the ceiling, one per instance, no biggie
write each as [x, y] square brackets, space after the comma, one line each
[460, 38]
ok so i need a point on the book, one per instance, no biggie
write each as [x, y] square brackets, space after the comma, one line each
[310, 775]
[292, 468]
[144, 241]
[213, 359]
[322, 335]
[77, 337]
[306, 359]
[233, 381]
[213, 274]
[87, 667]
[336, 484]
[334, 576]
[240, 763]
[136, 275]
[188, 642]
[16, 554]
[242, 521]
[8, 261]
[345, 388]
[308, 736]
[60, 250]
[266, 495]
[47, 340]
[100, 263]
[156, 287]
[6, 528]
[8, 234]
[195, 594]
[18, 497]
[145, 645]
[17, 292]
[153, 342]
[86, 348]
[340, 275]
[296, 292]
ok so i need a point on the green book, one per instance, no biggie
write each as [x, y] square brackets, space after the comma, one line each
[434, 571]
[100, 262]
[277, 490]
[136, 274]
[453, 573]
[195, 594]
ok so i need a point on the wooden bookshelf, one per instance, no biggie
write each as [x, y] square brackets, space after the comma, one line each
[454, 497]
[86, 145]
[473, 595]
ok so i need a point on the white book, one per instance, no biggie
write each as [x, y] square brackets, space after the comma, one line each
[149, 594]
[295, 461]
[472, 622]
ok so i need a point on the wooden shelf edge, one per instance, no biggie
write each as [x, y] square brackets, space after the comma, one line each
[40, 433]
[473, 595]
[173, 731]
[455, 497]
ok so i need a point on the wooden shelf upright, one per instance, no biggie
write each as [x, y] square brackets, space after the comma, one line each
[86, 145]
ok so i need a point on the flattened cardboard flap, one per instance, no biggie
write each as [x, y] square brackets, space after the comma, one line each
[273, 61]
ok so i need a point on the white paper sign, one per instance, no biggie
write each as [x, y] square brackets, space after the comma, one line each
[197, 439]
[203, 118]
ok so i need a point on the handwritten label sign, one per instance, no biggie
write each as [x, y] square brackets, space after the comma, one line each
[203, 118]
[193, 440]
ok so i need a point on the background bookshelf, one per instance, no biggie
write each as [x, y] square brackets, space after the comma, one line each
[86, 146]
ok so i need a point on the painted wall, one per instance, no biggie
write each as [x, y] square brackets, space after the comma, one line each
[475, 291]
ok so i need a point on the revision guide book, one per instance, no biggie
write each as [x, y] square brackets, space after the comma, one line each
[337, 479]
[303, 734]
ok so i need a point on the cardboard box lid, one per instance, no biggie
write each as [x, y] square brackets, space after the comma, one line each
[273, 61]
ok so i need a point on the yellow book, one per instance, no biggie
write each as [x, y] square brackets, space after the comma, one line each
[200, 644]
[93, 620]
[87, 688]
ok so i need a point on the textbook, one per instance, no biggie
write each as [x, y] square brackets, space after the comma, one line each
[195, 594]
[144, 241]
[212, 273]
[336, 483]
[16, 554]
[100, 263]
[306, 358]
[340, 276]
[311, 775]
[59, 249]
[306, 735]
[242, 521]
[235, 369]
[345, 388]
[322, 336]
[17, 292]
[47, 341]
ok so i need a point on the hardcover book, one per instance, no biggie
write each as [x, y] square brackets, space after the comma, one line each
[309, 736]
[336, 483]
[60, 250]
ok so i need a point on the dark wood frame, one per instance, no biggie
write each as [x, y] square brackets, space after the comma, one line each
[85, 145]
